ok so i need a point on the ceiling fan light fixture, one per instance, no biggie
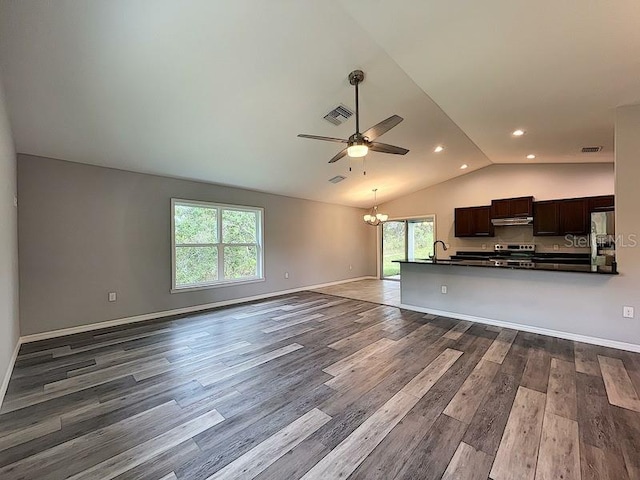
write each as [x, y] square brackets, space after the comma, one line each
[357, 150]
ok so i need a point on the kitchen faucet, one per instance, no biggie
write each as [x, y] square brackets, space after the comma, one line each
[435, 244]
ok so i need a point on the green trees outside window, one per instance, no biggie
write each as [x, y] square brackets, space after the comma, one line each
[215, 244]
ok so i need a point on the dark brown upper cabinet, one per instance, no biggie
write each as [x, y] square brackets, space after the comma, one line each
[561, 217]
[546, 218]
[602, 203]
[574, 216]
[512, 207]
[473, 222]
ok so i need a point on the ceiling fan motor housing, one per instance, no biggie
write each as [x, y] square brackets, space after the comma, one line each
[355, 77]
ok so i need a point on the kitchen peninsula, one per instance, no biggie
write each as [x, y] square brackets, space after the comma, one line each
[524, 298]
[490, 263]
[515, 285]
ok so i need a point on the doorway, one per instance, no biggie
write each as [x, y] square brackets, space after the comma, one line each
[410, 238]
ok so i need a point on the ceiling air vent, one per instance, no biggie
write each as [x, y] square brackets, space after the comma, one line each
[337, 179]
[591, 149]
[338, 115]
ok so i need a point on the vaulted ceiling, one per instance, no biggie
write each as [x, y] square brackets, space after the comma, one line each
[217, 91]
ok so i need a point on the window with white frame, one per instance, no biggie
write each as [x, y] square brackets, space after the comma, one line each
[215, 244]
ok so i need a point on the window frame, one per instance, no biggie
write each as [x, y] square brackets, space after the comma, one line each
[220, 246]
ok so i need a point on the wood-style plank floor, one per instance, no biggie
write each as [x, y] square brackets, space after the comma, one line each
[316, 386]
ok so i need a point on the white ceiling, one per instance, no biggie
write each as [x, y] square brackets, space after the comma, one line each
[217, 91]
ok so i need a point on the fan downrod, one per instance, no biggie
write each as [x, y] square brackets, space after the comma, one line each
[356, 77]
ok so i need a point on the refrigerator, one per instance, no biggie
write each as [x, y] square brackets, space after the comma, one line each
[603, 239]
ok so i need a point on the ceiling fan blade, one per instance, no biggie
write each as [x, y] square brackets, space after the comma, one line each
[326, 139]
[339, 155]
[384, 148]
[382, 127]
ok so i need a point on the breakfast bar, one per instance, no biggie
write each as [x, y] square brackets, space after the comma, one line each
[521, 297]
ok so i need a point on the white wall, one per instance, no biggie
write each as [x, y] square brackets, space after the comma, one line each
[9, 328]
[578, 304]
[87, 230]
[543, 181]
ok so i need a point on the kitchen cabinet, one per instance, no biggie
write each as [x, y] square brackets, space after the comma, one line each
[601, 203]
[561, 217]
[473, 222]
[546, 218]
[512, 207]
[574, 216]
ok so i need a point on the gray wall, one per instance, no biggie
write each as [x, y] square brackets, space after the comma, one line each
[85, 231]
[9, 328]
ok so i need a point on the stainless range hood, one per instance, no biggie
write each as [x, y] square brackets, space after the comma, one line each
[507, 222]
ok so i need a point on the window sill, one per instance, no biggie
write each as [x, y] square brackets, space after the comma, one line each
[216, 285]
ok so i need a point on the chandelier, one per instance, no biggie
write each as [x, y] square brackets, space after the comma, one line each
[374, 218]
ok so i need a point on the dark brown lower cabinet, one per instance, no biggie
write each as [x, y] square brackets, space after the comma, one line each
[473, 222]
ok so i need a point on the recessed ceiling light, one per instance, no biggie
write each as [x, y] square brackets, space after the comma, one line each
[518, 133]
[464, 166]
[438, 149]
[531, 156]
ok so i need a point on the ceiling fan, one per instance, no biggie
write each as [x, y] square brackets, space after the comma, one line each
[359, 144]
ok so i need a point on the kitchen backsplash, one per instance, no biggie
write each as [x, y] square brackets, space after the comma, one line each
[521, 234]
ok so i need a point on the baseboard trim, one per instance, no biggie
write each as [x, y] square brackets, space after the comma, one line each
[603, 342]
[7, 375]
[178, 311]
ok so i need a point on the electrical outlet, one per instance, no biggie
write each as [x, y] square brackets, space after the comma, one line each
[350, 267]
[112, 296]
[555, 246]
[484, 246]
[15, 200]
[286, 274]
[443, 289]
[628, 312]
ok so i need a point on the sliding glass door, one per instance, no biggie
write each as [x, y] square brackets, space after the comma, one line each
[406, 238]
[394, 247]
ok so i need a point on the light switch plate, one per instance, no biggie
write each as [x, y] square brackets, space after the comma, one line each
[112, 296]
[443, 289]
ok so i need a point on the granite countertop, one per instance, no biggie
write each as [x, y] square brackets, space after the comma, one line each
[547, 267]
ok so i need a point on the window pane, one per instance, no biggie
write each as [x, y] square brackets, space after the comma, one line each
[240, 262]
[421, 239]
[393, 247]
[196, 265]
[239, 226]
[195, 224]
